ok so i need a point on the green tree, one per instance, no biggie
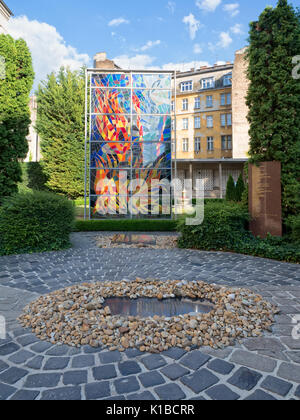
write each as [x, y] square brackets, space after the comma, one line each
[230, 190]
[60, 124]
[239, 189]
[274, 97]
[15, 87]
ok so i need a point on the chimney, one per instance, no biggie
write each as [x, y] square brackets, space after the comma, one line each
[101, 62]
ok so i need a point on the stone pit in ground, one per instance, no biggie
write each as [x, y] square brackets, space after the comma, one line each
[79, 316]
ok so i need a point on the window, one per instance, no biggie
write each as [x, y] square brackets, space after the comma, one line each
[209, 101]
[208, 83]
[198, 102]
[185, 105]
[173, 125]
[197, 122]
[185, 145]
[173, 106]
[173, 146]
[226, 99]
[229, 122]
[186, 86]
[210, 144]
[227, 79]
[185, 124]
[223, 120]
[226, 142]
[210, 121]
[197, 144]
[226, 120]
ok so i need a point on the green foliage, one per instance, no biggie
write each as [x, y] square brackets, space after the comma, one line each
[35, 222]
[230, 190]
[245, 195]
[60, 124]
[224, 222]
[36, 177]
[14, 111]
[125, 226]
[274, 97]
[239, 189]
[293, 223]
[225, 229]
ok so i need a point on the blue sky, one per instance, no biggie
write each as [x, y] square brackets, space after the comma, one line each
[136, 33]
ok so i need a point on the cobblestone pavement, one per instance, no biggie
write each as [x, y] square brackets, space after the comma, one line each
[262, 368]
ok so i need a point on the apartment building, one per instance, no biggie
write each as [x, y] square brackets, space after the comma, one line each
[204, 128]
[5, 14]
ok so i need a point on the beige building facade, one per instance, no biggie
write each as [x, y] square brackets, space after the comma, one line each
[5, 14]
[209, 145]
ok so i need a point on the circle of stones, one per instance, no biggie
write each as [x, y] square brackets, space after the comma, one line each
[77, 317]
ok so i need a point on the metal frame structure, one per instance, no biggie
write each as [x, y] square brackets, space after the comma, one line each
[88, 121]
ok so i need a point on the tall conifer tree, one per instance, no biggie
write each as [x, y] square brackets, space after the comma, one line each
[15, 86]
[274, 97]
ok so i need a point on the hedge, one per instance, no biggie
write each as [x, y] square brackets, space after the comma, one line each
[35, 222]
[125, 225]
[225, 228]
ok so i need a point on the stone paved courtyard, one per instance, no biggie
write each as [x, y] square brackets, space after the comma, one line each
[260, 368]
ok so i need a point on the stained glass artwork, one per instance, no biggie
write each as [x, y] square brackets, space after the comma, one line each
[111, 101]
[151, 101]
[151, 81]
[111, 80]
[130, 145]
[151, 128]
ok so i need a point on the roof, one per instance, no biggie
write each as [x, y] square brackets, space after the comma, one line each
[6, 8]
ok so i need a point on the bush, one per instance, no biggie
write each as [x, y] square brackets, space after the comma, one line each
[225, 229]
[125, 225]
[239, 189]
[293, 223]
[36, 177]
[35, 222]
[230, 190]
[224, 222]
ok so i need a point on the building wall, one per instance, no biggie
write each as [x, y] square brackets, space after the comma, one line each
[216, 110]
[240, 84]
[5, 14]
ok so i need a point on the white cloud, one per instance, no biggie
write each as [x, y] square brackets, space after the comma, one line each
[225, 40]
[149, 45]
[118, 22]
[48, 48]
[147, 62]
[208, 5]
[232, 9]
[237, 29]
[185, 66]
[137, 62]
[171, 6]
[193, 25]
[197, 49]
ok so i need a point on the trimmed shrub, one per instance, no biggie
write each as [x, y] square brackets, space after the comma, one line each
[239, 189]
[224, 223]
[225, 229]
[36, 177]
[35, 222]
[125, 225]
[230, 190]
